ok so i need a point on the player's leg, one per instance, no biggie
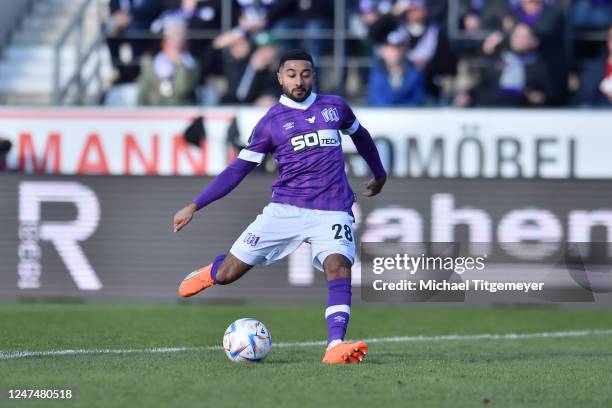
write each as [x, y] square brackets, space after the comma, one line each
[274, 234]
[225, 269]
[337, 269]
[333, 251]
[230, 270]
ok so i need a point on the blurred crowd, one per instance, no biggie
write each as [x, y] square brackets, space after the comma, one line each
[506, 53]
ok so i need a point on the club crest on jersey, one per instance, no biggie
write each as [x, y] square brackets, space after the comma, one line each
[322, 138]
[330, 114]
[311, 119]
[251, 239]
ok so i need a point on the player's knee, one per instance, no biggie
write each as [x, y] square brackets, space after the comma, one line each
[338, 272]
[337, 267]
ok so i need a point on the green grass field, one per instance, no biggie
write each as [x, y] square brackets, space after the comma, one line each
[542, 371]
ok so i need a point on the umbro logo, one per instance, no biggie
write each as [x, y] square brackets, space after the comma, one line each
[288, 125]
[339, 319]
[311, 119]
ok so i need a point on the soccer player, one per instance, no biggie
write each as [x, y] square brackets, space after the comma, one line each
[311, 198]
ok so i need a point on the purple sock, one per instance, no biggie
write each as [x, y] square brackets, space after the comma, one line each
[215, 268]
[338, 308]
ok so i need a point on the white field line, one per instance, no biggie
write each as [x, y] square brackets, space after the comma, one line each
[11, 355]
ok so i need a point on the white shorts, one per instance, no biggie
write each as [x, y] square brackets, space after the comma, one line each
[281, 229]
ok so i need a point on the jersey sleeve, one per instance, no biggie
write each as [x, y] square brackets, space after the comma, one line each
[260, 143]
[349, 124]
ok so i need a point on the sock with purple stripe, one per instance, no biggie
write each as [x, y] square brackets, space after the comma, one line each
[338, 308]
[216, 264]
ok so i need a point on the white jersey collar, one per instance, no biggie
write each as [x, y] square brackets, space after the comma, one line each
[305, 104]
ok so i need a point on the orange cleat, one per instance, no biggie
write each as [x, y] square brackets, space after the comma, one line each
[346, 353]
[196, 282]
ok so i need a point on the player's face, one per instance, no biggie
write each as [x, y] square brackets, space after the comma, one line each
[296, 77]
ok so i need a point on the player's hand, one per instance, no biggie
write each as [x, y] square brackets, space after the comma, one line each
[227, 39]
[184, 215]
[374, 187]
[491, 42]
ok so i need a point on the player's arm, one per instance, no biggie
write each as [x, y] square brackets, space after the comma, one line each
[367, 149]
[228, 179]
[221, 186]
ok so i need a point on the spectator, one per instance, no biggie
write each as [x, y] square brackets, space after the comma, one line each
[394, 79]
[515, 76]
[127, 17]
[592, 14]
[249, 70]
[429, 49]
[5, 147]
[197, 15]
[253, 14]
[596, 79]
[546, 22]
[278, 16]
[312, 16]
[479, 15]
[169, 78]
[381, 17]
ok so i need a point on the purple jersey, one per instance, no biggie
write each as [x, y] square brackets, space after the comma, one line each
[304, 139]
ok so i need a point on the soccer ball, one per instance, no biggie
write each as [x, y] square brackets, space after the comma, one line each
[247, 341]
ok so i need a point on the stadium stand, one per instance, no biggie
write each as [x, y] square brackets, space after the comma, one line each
[91, 51]
[42, 49]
